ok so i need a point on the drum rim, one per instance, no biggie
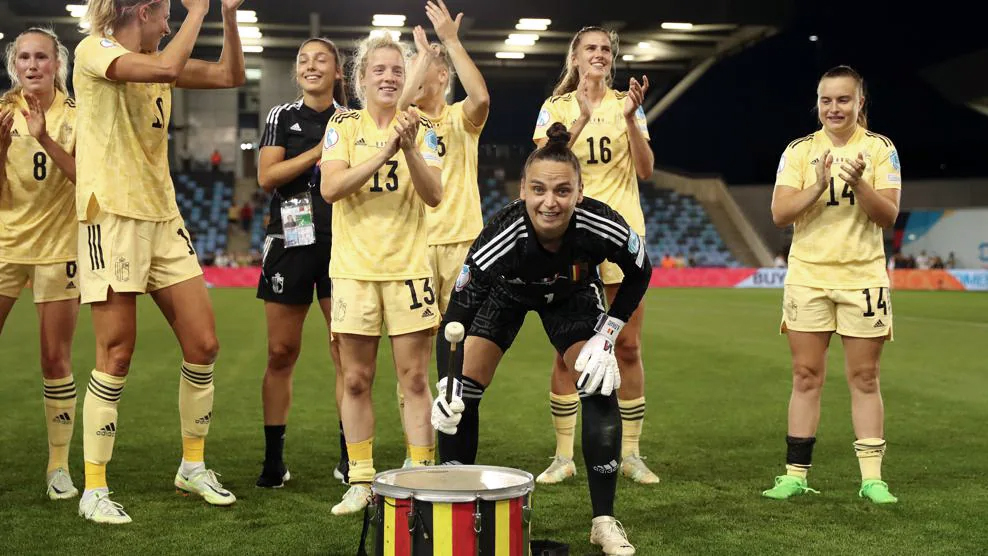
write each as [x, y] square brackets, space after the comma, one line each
[431, 495]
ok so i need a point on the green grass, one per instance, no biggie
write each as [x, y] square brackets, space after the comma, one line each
[717, 387]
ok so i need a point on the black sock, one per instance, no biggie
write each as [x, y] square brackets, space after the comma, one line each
[601, 450]
[799, 451]
[343, 455]
[462, 446]
[274, 447]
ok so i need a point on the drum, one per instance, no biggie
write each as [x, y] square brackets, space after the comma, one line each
[452, 510]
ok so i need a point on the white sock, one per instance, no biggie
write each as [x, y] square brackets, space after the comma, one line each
[191, 468]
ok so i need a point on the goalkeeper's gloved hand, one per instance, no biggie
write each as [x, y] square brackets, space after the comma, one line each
[445, 416]
[596, 363]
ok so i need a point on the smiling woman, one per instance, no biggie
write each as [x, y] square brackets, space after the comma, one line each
[296, 253]
[125, 192]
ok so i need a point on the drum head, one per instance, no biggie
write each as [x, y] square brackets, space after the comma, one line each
[454, 483]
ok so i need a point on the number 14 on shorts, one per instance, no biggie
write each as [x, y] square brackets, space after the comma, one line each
[881, 303]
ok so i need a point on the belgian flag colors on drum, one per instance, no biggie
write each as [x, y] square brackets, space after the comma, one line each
[452, 511]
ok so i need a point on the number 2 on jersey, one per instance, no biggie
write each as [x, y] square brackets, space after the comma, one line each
[391, 179]
[160, 119]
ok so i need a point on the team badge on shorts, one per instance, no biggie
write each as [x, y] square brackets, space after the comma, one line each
[463, 279]
[278, 283]
[121, 269]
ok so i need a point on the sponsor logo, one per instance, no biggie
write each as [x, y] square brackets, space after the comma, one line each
[109, 430]
[204, 420]
[296, 127]
[607, 469]
[463, 279]
[427, 313]
[361, 143]
[332, 138]
[71, 285]
[879, 324]
[543, 118]
[63, 419]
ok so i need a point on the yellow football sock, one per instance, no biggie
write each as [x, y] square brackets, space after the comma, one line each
[361, 461]
[870, 452]
[95, 475]
[195, 408]
[60, 398]
[632, 419]
[564, 411]
[423, 455]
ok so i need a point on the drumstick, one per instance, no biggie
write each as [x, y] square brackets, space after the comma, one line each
[454, 335]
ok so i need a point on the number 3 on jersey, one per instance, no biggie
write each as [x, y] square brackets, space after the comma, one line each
[390, 180]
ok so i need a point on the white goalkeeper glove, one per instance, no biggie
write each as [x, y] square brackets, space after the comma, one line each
[596, 363]
[445, 416]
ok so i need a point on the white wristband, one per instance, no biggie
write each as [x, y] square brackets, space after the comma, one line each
[609, 327]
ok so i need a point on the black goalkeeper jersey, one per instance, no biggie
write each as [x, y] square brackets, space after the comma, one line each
[508, 254]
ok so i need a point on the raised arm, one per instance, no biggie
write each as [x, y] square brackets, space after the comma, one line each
[416, 76]
[478, 102]
[166, 67]
[229, 71]
[641, 153]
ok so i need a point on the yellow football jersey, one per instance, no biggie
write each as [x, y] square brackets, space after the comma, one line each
[458, 217]
[603, 150]
[123, 128]
[37, 201]
[379, 232]
[834, 244]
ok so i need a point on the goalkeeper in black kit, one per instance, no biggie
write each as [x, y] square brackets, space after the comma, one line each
[541, 253]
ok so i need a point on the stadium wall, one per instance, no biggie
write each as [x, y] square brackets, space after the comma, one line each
[967, 280]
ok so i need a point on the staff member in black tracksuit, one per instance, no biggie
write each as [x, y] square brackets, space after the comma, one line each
[299, 236]
[540, 254]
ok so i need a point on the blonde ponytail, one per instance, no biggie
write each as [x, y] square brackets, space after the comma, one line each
[103, 15]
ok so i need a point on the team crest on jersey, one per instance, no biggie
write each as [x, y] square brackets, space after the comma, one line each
[782, 164]
[332, 138]
[543, 118]
[894, 159]
[107, 43]
[463, 279]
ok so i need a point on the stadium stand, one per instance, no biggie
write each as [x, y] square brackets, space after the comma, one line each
[203, 199]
